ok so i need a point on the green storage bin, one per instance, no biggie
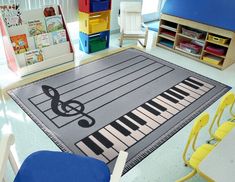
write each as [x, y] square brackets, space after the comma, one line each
[97, 44]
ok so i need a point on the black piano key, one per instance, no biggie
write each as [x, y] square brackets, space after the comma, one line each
[169, 98]
[121, 129]
[180, 91]
[128, 123]
[93, 146]
[195, 82]
[175, 94]
[136, 118]
[157, 105]
[150, 109]
[103, 139]
[190, 85]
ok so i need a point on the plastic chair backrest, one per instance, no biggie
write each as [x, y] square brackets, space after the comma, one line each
[199, 123]
[227, 100]
[5, 154]
[130, 16]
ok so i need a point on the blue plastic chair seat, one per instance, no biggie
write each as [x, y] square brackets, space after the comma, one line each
[48, 166]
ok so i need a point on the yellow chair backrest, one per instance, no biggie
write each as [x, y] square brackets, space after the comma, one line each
[227, 100]
[199, 123]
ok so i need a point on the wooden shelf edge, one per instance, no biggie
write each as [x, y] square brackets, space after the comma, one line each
[166, 47]
[168, 28]
[167, 37]
[216, 43]
[194, 55]
[213, 54]
[199, 40]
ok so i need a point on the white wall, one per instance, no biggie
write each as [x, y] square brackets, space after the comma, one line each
[114, 15]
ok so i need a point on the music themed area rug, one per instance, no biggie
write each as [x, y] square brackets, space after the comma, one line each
[129, 101]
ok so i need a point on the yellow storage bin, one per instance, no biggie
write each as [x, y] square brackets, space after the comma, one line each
[214, 60]
[90, 23]
[97, 25]
[218, 39]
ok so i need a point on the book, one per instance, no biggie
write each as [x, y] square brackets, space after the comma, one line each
[19, 43]
[42, 40]
[49, 11]
[54, 23]
[59, 36]
[11, 14]
[36, 27]
[34, 56]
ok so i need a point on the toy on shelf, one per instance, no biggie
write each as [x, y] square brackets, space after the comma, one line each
[38, 42]
[94, 24]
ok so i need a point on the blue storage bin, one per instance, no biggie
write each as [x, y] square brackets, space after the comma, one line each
[87, 42]
[100, 5]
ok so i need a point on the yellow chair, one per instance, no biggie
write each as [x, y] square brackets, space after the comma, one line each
[199, 153]
[223, 129]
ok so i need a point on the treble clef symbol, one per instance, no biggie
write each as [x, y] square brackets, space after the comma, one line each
[69, 108]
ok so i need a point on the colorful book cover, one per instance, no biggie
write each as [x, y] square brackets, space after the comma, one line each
[34, 56]
[11, 14]
[59, 36]
[42, 40]
[36, 27]
[19, 43]
[54, 23]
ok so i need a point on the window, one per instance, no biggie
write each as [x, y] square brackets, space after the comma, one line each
[151, 9]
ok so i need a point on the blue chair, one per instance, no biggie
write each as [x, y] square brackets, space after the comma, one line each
[49, 166]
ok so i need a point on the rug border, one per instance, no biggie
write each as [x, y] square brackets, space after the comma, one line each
[131, 163]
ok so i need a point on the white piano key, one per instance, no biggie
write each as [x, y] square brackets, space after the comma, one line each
[206, 84]
[128, 140]
[143, 128]
[135, 134]
[182, 102]
[188, 98]
[192, 94]
[109, 153]
[198, 91]
[165, 114]
[89, 152]
[201, 87]
[177, 106]
[168, 107]
[150, 122]
[158, 118]
[117, 144]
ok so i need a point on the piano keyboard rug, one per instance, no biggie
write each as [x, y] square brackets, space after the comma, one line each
[128, 101]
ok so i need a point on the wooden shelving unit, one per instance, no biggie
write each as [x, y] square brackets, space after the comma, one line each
[172, 36]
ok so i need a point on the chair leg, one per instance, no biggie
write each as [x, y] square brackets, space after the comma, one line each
[146, 37]
[121, 39]
[188, 176]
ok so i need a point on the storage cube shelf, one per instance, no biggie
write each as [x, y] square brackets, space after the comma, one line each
[94, 22]
[94, 42]
[94, 5]
[94, 25]
[192, 39]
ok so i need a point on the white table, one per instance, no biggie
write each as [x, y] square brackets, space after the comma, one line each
[219, 165]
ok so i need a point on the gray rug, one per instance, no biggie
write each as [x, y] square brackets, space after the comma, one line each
[128, 101]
